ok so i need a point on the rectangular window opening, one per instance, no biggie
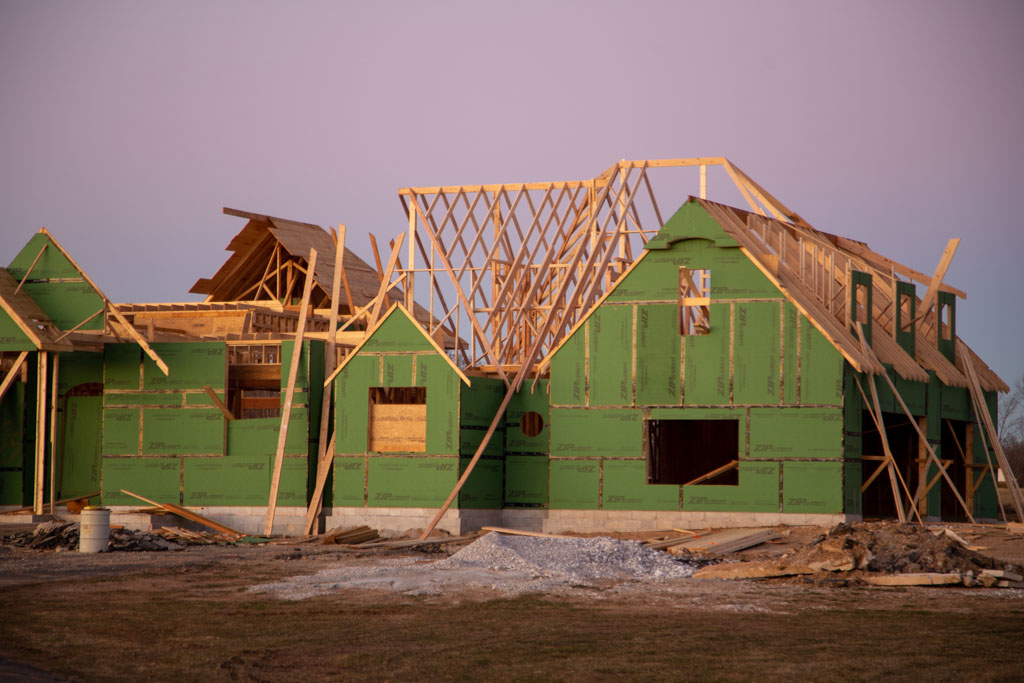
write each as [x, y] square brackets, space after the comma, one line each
[945, 329]
[254, 380]
[688, 452]
[694, 301]
[906, 312]
[397, 420]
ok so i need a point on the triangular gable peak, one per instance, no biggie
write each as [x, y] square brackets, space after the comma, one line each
[57, 285]
[397, 331]
[270, 260]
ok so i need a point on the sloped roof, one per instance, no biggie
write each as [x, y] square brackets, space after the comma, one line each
[296, 238]
[775, 247]
[812, 268]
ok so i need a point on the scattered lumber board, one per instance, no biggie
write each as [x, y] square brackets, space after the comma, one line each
[188, 514]
[349, 536]
[28, 509]
[517, 532]
[725, 542]
[1015, 527]
[927, 579]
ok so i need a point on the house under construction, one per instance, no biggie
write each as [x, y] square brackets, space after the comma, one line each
[547, 356]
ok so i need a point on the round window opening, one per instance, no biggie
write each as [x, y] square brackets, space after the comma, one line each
[531, 424]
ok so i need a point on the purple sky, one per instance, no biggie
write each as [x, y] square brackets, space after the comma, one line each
[127, 125]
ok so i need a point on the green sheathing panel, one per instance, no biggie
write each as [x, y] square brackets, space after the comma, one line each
[349, 481]
[606, 432]
[168, 431]
[193, 365]
[568, 371]
[527, 401]
[12, 338]
[11, 488]
[483, 488]
[79, 445]
[478, 406]
[610, 367]
[397, 371]
[790, 353]
[796, 433]
[575, 484]
[756, 353]
[757, 491]
[121, 431]
[526, 480]
[690, 221]
[158, 479]
[707, 361]
[625, 487]
[352, 399]
[657, 355]
[914, 394]
[234, 481]
[443, 386]
[956, 403]
[656, 278]
[258, 437]
[414, 481]
[852, 478]
[398, 333]
[302, 375]
[12, 426]
[121, 365]
[812, 487]
[947, 343]
[66, 303]
[821, 368]
[906, 338]
[933, 430]
[294, 478]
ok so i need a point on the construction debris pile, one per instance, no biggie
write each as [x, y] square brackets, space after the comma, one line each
[881, 553]
[64, 536]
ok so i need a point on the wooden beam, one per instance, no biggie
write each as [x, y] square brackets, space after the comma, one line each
[75, 328]
[714, 473]
[382, 292]
[286, 410]
[134, 334]
[940, 272]
[12, 373]
[187, 514]
[323, 464]
[34, 262]
[217, 402]
[40, 459]
[53, 430]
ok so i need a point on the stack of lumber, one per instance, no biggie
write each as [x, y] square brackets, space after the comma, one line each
[348, 536]
[723, 542]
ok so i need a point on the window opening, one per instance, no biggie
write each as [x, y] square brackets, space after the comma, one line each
[254, 380]
[906, 312]
[693, 452]
[694, 301]
[397, 420]
[532, 424]
[945, 329]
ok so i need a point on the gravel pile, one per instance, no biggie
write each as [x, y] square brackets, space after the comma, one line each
[572, 560]
[510, 565]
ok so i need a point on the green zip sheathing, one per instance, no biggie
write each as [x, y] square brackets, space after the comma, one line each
[526, 480]
[55, 285]
[79, 430]
[762, 363]
[526, 461]
[147, 415]
[399, 354]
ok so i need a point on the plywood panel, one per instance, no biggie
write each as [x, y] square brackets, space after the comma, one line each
[398, 428]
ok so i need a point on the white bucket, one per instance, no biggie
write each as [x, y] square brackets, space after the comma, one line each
[94, 530]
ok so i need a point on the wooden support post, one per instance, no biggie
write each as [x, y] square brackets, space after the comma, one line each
[382, 295]
[219, 404]
[286, 411]
[703, 181]
[411, 263]
[323, 462]
[40, 460]
[53, 430]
